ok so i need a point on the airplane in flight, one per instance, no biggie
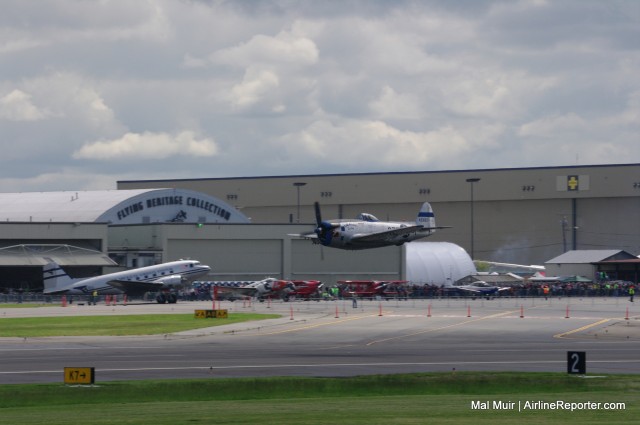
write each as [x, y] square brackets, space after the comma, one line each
[366, 231]
[161, 277]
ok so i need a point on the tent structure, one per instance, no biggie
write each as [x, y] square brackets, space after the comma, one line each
[437, 263]
[41, 254]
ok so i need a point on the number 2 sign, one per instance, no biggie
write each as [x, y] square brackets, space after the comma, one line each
[577, 362]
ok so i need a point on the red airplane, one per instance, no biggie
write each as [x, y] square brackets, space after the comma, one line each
[373, 288]
[306, 289]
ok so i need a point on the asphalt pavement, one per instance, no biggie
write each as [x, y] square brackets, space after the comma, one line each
[332, 338]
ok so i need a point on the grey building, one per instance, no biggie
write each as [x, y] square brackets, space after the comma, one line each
[240, 226]
[141, 227]
[589, 263]
[520, 215]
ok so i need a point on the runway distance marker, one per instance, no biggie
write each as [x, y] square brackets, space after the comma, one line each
[577, 362]
[79, 375]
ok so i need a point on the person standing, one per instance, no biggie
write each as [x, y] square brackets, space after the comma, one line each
[632, 292]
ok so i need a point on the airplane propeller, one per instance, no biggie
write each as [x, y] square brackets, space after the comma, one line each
[324, 228]
[316, 205]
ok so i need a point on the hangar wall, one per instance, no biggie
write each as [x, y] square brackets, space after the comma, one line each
[255, 251]
[524, 216]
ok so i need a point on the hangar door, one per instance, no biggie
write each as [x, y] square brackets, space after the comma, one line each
[330, 264]
[232, 259]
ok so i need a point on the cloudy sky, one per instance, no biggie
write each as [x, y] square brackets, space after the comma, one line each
[92, 92]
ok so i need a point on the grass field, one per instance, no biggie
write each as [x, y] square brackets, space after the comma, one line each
[25, 305]
[148, 324]
[390, 399]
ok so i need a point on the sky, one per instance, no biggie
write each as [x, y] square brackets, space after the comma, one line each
[93, 92]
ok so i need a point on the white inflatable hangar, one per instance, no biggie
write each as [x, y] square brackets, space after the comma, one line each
[437, 263]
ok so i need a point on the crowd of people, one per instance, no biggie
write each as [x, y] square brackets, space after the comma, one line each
[535, 289]
[417, 291]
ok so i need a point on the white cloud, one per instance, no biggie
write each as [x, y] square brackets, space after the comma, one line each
[375, 143]
[17, 106]
[553, 126]
[284, 48]
[76, 23]
[147, 145]
[308, 87]
[392, 104]
[254, 87]
[18, 44]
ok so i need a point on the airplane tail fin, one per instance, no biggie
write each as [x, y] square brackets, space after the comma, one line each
[426, 218]
[54, 278]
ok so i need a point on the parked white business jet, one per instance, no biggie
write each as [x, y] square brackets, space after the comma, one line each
[366, 231]
[161, 277]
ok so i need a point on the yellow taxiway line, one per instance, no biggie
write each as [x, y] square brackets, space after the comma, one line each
[584, 328]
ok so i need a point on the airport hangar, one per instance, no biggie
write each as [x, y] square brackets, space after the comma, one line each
[523, 216]
[95, 232]
[518, 215]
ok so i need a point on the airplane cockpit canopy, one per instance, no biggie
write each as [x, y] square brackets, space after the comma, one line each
[367, 217]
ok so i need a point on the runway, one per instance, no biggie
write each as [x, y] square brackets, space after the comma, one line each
[331, 338]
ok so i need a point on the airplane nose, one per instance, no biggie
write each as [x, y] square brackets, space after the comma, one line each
[324, 232]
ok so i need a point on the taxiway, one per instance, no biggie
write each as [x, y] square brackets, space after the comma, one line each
[331, 338]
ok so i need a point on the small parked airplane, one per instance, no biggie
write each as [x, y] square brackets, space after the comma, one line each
[260, 289]
[160, 277]
[366, 231]
[478, 289]
[374, 288]
[306, 289]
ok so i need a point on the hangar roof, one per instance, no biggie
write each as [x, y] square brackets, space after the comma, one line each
[64, 255]
[117, 207]
[589, 256]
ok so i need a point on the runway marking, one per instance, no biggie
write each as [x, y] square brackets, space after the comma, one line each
[317, 325]
[492, 316]
[322, 365]
[583, 328]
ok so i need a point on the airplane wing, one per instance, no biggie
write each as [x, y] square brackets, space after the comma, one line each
[304, 235]
[133, 287]
[467, 289]
[389, 234]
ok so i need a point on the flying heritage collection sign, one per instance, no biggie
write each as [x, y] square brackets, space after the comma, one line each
[208, 206]
[174, 205]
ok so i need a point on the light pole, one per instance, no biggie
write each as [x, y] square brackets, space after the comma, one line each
[471, 181]
[298, 185]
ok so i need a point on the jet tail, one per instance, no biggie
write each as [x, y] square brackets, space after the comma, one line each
[426, 218]
[55, 279]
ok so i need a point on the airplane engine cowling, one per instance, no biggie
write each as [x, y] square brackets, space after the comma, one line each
[325, 232]
[172, 280]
